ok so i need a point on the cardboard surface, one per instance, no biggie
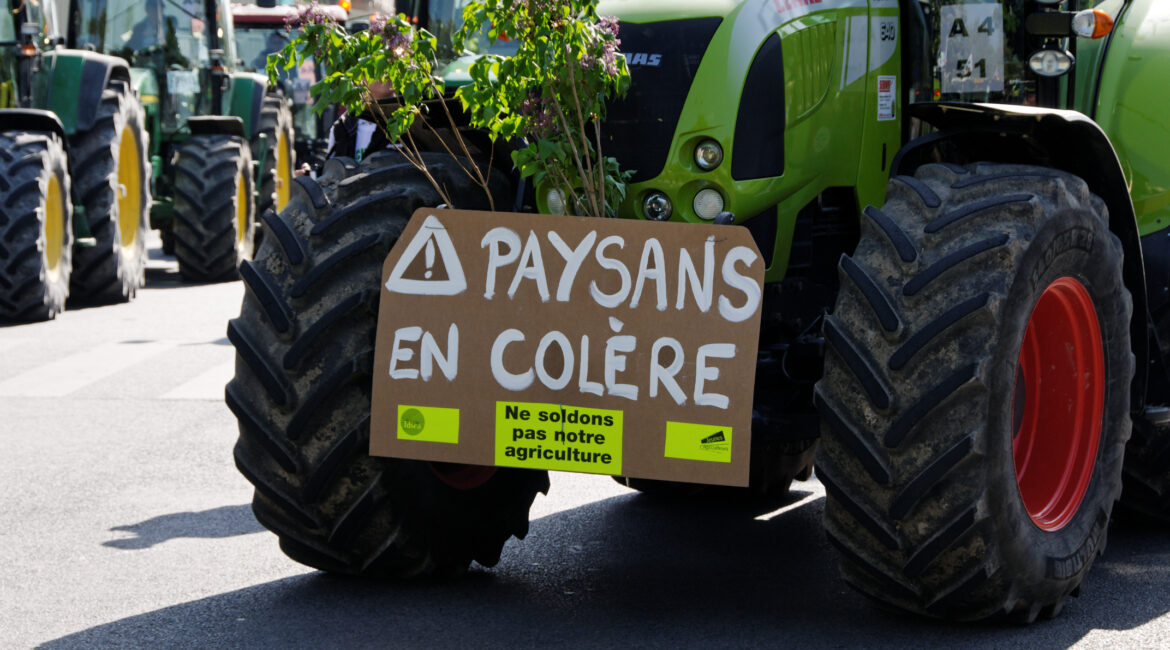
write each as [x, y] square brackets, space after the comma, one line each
[553, 342]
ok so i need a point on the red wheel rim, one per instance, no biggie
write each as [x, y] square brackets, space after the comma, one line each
[460, 476]
[1057, 404]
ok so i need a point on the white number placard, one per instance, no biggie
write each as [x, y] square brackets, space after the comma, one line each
[970, 53]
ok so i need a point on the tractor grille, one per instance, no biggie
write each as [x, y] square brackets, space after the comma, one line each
[663, 58]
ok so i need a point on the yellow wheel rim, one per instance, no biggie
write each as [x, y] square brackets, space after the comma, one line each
[241, 208]
[129, 188]
[283, 170]
[54, 226]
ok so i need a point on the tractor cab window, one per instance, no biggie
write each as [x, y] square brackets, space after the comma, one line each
[225, 36]
[134, 29]
[443, 18]
[254, 44]
[38, 12]
[7, 28]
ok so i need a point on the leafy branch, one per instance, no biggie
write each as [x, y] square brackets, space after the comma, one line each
[548, 98]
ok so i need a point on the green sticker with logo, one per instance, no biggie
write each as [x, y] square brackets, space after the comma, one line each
[698, 442]
[428, 424]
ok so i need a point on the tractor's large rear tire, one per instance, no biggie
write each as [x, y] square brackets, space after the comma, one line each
[976, 396]
[276, 174]
[111, 181]
[305, 343]
[215, 216]
[36, 233]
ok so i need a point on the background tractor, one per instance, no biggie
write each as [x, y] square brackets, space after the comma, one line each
[74, 176]
[211, 125]
[961, 207]
[262, 29]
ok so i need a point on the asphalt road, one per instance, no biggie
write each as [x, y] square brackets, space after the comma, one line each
[123, 523]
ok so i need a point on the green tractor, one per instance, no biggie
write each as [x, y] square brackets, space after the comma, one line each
[262, 29]
[73, 171]
[961, 209]
[221, 142]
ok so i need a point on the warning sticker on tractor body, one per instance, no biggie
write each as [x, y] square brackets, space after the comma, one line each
[590, 345]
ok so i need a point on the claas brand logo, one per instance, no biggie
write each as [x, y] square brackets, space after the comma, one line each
[412, 422]
[643, 58]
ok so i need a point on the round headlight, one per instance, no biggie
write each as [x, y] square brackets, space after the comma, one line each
[556, 201]
[708, 203]
[657, 206]
[708, 155]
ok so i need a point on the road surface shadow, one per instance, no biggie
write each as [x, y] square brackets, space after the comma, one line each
[228, 521]
[633, 571]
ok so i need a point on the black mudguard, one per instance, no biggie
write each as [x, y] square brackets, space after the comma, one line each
[1060, 139]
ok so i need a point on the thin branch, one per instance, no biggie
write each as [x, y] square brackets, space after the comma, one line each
[463, 145]
[585, 143]
[601, 163]
[410, 151]
[585, 180]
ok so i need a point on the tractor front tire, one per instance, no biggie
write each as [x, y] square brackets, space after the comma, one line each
[111, 182]
[302, 390]
[276, 124]
[36, 232]
[975, 400]
[215, 217]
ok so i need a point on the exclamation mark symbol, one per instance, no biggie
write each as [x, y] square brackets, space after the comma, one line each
[430, 253]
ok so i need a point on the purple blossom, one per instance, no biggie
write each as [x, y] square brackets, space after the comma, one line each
[378, 24]
[609, 24]
[398, 42]
[310, 14]
[538, 116]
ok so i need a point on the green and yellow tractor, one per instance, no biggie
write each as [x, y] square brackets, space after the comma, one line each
[960, 215]
[74, 175]
[221, 141]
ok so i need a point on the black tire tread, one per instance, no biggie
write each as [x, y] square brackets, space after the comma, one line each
[907, 503]
[309, 330]
[27, 291]
[107, 272]
[207, 243]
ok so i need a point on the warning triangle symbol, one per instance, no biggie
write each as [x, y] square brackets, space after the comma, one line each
[430, 236]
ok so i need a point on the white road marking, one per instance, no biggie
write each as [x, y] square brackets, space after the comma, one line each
[63, 376]
[207, 385]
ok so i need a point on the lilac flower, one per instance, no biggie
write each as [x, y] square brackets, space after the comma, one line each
[538, 116]
[609, 57]
[378, 24]
[398, 42]
[609, 24]
[310, 14]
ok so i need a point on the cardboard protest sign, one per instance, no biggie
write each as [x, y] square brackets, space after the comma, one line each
[607, 346]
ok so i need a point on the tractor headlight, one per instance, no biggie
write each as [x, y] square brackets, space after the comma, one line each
[1050, 63]
[708, 155]
[556, 201]
[657, 206]
[708, 203]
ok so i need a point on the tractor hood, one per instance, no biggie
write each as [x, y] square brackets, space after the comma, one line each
[643, 11]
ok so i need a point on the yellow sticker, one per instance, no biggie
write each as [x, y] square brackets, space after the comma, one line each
[428, 423]
[558, 437]
[698, 442]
